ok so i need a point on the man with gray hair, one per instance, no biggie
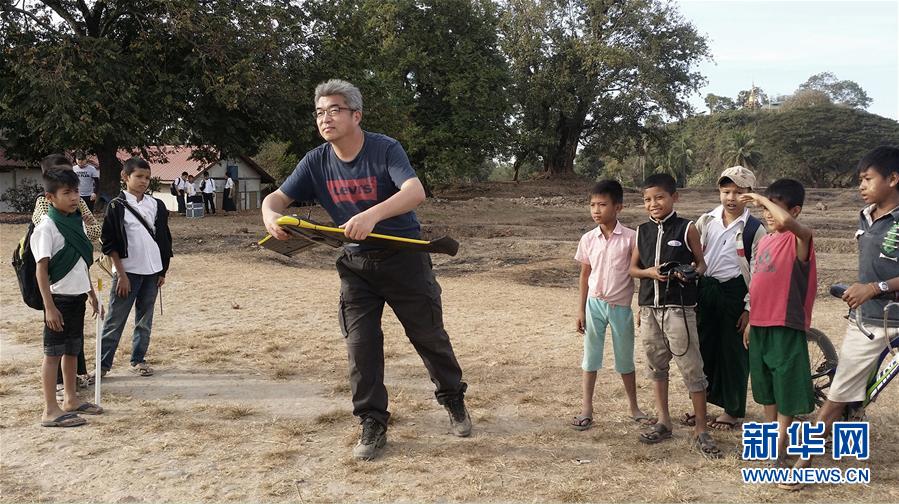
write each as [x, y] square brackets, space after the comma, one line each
[366, 184]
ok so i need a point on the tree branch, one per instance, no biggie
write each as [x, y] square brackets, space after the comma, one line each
[67, 16]
[47, 26]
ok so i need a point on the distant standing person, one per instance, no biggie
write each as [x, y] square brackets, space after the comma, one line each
[88, 179]
[191, 188]
[181, 188]
[227, 199]
[207, 186]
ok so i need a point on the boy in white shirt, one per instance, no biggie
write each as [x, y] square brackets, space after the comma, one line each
[207, 186]
[729, 236]
[136, 236]
[63, 253]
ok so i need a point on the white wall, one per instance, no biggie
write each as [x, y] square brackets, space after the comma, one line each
[15, 177]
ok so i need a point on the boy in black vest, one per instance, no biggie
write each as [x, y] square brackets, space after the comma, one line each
[667, 300]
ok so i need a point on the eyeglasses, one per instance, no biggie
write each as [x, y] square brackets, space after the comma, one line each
[331, 111]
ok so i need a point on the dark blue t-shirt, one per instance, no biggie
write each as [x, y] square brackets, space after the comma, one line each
[345, 189]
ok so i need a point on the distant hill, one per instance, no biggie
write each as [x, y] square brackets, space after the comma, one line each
[819, 145]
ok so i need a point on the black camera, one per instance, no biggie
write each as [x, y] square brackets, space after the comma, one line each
[684, 273]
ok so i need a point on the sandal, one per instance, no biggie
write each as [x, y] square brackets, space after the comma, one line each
[689, 419]
[142, 369]
[581, 423]
[707, 446]
[87, 408]
[644, 419]
[64, 420]
[723, 425]
[657, 434]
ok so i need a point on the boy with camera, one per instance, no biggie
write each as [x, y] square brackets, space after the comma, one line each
[667, 260]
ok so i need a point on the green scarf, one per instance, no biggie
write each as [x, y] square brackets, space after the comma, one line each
[71, 227]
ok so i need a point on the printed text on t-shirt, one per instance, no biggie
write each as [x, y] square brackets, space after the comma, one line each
[354, 190]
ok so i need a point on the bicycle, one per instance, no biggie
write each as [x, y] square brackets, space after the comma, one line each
[824, 360]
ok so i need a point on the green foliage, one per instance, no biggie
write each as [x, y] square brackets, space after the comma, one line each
[741, 150]
[820, 145]
[806, 98]
[430, 73]
[717, 103]
[275, 158]
[155, 185]
[21, 198]
[591, 73]
[148, 72]
[844, 92]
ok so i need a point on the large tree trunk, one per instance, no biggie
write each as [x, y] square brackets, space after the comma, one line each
[560, 160]
[110, 172]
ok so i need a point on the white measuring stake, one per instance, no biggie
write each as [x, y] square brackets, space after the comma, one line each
[97, 351]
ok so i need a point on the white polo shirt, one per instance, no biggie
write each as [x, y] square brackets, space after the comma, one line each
[720, 251]
[143, 252]
[47, 241]
[209, 188]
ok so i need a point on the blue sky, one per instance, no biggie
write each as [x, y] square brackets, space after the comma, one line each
[780, 44]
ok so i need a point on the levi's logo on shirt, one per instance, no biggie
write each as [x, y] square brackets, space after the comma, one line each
[353, 190]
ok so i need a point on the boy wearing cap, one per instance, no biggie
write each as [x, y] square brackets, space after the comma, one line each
[729, 236]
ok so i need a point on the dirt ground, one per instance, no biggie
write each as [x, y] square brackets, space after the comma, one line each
[250, 401]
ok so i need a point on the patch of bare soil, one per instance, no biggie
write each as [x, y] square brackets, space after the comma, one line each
[251, 401]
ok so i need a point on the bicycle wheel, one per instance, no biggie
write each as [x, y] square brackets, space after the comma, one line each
[823, 359]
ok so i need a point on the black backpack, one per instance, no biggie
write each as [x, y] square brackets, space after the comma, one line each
[749, 230]
[174, 189]
[26, 271]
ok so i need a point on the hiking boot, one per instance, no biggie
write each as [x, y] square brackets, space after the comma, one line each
[374, 437]
[460, 422]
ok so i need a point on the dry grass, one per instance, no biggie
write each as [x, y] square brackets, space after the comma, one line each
[233, 411]
[252, 405]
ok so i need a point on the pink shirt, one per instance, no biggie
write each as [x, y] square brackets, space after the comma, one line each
[782, 290]
[609, 261]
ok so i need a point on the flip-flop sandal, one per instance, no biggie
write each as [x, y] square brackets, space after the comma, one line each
[723, 425]
[706, 446]
[65, 420]
[689, 419]
[581, 423]
[644, 420]
[657, 434]
[87, 408]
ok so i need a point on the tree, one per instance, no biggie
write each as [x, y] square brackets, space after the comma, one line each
[741, 151]
[680, 160]
[430, 72]
[822, 145]
[717, 103]
[590, 73]
[844, 92]
[275, 158]
[807, 98]
[128, 75]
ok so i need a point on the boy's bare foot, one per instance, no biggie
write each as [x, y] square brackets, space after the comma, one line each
[84, 408]
[64, 420]
[642, 418]
[725, 422]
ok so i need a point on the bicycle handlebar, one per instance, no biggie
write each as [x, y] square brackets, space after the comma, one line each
[837, 290]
